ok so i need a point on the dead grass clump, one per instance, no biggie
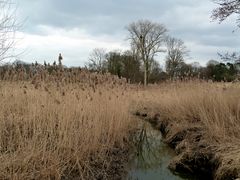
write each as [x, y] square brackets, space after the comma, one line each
[229, 162]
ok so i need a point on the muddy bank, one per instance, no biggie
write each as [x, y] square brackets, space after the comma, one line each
[111, 165]
[196, 153]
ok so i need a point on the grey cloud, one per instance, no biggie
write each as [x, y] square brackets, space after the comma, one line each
[108, 16]
[185, 19]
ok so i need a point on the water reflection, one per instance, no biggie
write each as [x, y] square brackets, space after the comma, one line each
[151, 157]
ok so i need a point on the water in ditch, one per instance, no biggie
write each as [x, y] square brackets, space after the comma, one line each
[151, 157]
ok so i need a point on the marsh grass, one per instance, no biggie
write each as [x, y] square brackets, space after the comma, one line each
[61, 124]
[212, 107]
[215, 105]
[61, 131]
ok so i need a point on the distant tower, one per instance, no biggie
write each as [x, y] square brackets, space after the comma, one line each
[60, 59]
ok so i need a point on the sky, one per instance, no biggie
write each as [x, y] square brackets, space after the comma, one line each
[75, 27]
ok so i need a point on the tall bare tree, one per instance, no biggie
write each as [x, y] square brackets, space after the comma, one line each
[97, 60]
[225, 9]
[176, 52]
[147, 37]
[8, 27]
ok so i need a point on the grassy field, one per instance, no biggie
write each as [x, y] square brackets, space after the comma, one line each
[75, 125]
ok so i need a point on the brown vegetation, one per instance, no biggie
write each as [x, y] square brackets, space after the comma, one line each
[74, 127]
[201, 121]
[66, 123]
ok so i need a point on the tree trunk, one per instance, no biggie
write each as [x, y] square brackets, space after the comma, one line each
[147, 69]
[145, 74]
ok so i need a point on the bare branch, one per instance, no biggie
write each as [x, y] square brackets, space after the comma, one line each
[226, 8]
[176, 52]
[97, 60]
[147, 37]
[8, 27]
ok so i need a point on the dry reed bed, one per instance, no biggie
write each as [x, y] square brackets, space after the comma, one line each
[39, 73]
[61, 131]
[212, 108]
[215, 105]
[68, 124]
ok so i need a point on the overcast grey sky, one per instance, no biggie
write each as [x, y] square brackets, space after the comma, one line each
[75, 27]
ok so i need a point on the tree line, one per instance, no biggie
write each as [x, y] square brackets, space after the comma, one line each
[127, 65]
[147, 39]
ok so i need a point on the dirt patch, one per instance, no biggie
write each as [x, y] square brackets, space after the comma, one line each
[196, 153]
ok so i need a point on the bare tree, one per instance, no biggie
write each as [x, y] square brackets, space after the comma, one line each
[176, 52]
[233, 57]
[97, 60]
[8, 27]
[225, 9]
[147, 37]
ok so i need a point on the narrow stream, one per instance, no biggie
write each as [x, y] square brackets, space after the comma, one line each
[152, 156]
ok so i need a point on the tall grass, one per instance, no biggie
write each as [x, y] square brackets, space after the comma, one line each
[214, 105]
[61, 131]
[61, 124]
[214, 108]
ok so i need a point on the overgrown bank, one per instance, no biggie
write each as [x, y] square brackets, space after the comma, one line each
[201, 122]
